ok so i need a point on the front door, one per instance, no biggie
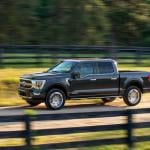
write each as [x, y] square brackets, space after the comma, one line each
[84, 85]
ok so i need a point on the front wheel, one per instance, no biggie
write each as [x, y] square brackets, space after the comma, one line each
[132, 96]
[108, 99]
[55, 99]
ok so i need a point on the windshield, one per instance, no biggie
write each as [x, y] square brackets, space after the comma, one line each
[63, 67]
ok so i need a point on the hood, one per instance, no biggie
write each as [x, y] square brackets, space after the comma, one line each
[42, 75]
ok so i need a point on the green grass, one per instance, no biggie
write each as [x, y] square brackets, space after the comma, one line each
[83, 137]
[9, 79]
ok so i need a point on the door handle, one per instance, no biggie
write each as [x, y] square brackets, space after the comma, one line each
[93, 79]
[114, 78]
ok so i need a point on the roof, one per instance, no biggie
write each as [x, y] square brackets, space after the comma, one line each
[90, 60]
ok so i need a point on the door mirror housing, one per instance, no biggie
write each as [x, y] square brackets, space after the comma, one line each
[75, 75]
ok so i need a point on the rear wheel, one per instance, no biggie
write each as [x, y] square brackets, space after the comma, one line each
[55, 99]
[108, 99]
[132, 96]
[32, 103]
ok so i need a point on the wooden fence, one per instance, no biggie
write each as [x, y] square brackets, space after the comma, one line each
[28, 134]
[45, 55]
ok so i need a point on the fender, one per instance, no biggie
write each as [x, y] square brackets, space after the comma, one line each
[133, 81]
[59, 86]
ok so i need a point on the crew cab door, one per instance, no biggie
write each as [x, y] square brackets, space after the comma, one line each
[106, 79]
[84, 85]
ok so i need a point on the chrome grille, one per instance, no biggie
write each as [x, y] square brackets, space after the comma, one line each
[25, 83]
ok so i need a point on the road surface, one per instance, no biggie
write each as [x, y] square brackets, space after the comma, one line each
[76, 107]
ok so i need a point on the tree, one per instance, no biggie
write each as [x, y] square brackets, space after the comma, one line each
[103, 22]
[73, 22]
[128, 19]
[17, 21]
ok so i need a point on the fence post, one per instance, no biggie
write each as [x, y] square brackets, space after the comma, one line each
[130, 130]
[28, 138]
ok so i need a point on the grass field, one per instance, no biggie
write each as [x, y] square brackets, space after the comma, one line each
[9, 79]
[84, 136]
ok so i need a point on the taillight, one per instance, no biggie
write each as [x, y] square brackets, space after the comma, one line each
[148, 78]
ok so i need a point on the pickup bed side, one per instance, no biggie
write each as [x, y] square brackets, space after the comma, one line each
[134, 78]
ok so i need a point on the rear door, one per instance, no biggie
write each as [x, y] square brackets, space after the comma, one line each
[106, 79]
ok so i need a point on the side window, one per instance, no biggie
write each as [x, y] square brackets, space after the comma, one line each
[105, 67]
[77, 68]
[86, 69]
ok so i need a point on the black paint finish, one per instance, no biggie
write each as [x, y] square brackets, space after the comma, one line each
[100, 82]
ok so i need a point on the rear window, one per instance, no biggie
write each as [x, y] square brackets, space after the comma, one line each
[105, 67]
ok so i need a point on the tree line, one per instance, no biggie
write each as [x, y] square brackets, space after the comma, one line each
[88, 22]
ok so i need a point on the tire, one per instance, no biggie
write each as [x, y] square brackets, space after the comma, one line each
[55, 99]
[108, 99]
[132, 96]
[32, 103]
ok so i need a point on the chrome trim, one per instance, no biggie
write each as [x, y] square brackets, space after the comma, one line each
[56, 99]
[113, 78]
[36, 94]
[67, 81]
[99, 74]
[21, 90]
[93, 79]
[133, 96]
[25, 83]
[26, 97]
[93, 90]
[146, 88]
[25, 79]
[96, 97]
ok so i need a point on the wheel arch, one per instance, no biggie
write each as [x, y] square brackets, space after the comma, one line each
[58, 86]
[136, 83]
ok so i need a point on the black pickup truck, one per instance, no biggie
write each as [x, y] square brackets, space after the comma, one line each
[83, 78]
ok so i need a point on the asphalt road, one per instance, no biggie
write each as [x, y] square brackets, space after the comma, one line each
[4, 111]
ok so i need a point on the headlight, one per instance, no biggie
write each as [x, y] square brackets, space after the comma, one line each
[38, 84]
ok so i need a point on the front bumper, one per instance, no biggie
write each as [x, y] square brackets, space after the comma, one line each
[31, 94]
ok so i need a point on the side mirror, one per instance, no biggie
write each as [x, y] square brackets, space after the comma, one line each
[75, 75]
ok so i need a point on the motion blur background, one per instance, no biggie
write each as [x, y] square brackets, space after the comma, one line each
[86, 22]
[36, 34]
